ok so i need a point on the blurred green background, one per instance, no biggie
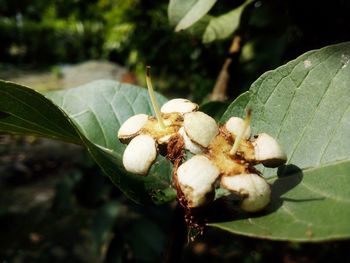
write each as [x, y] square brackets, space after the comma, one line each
[55, 204]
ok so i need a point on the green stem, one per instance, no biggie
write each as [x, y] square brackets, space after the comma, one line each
[153, 98]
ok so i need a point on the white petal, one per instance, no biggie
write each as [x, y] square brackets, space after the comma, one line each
[179, 105]
[196, 178]
[254, 190]
[200, 128]
[235, 126]
[165, 139]
[268, 151]
[140, 154]
[189, 145]
[132, 126]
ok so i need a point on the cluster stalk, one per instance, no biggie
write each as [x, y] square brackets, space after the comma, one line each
[153, 98]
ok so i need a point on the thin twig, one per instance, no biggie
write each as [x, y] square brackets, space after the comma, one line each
[220, 88]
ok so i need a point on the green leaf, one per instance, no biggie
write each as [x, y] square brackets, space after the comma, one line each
[305, 106]
[223, 26]
[192, 15]
[184, 13]
[89, 115]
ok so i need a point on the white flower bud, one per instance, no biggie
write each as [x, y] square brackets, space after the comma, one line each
[132, 126]
[179, 105]
[196, 178]
[189, 145]
[254, 190]
[268, 151]
[200, 128]
[235, 126]
[140, 154]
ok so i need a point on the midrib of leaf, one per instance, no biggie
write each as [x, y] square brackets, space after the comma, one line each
[51, 130]
[36, 130]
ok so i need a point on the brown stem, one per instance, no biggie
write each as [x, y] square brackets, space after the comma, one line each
[220, 88]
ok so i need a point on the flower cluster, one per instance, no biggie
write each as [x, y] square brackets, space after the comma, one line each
[224, 156]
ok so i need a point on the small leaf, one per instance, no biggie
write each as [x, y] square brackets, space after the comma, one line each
[305, 106]
[223, 26]
[184, 13]
[89, 115]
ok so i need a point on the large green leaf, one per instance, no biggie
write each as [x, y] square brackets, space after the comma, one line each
[89, 115]
[305, 104]
[184, 13]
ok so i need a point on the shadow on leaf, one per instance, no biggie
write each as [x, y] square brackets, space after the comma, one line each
[288, 177]
[3, 114]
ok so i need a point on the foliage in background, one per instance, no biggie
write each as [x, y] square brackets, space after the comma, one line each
[136, 33]
[133, 33]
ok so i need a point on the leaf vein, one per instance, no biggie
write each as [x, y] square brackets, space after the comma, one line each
[96, 119]
[312, 116]
[335, 128]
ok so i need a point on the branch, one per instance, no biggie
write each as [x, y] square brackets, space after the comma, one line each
[220, 88]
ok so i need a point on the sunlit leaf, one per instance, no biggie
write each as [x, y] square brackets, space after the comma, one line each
[184, 13]
[305, 105]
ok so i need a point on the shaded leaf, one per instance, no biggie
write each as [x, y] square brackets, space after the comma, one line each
[223, 26]
[305, 105]
[90, 115]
